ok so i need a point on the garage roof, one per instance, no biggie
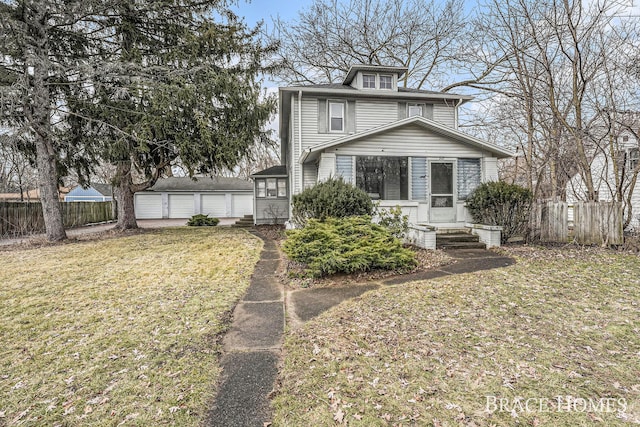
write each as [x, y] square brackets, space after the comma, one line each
[219, 183]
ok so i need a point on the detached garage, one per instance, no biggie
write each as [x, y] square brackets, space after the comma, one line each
[182, 197]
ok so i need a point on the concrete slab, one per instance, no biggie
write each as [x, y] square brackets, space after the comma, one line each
[476, 264]
[242, 396]
[267, 289]
[256, 325]
[423, 275]
[472, 253]
[309, 303]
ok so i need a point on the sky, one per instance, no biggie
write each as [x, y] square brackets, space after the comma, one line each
[257, 10]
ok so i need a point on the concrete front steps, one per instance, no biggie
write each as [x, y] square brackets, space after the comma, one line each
[244, 222]
[456, 238]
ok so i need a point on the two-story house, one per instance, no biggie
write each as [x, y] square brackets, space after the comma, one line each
[402, 146]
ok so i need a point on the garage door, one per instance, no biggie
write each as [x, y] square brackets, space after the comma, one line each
[242, 204]
[214, 205]
[180, 205]
[148, 206]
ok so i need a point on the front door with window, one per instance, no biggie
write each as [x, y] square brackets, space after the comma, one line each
[442, 195]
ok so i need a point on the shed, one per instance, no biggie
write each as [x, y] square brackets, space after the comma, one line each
[183, 197]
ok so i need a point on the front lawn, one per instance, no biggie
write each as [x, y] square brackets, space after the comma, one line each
[118, 331]
[551, 341]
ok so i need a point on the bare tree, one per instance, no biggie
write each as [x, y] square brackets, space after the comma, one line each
[17, 175]
[331, 35]
[548, 70]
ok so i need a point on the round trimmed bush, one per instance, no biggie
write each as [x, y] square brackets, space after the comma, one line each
[331, 198]
[503, 204]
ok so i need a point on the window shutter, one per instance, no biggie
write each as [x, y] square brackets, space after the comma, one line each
[322, 115]
[469, 177]
[428, 111]
[351, 117]
[402, 110]
[344, 168]
[419, 178]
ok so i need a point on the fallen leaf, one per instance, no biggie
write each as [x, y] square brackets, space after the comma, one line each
[338, 416]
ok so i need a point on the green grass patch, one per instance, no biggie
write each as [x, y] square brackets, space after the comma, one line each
[436, 353]
[122, 330]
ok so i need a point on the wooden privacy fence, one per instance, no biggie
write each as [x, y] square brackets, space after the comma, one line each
[20, 218]
[593, 222]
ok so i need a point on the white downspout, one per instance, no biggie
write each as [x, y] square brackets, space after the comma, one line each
[300, 136]
[455, 112]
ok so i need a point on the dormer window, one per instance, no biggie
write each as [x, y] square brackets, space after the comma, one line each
[386, 82]
[625, 138]
[369, 81]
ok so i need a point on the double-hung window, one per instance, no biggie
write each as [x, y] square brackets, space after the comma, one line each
[369, 81]
[336, 116]
[386, 82]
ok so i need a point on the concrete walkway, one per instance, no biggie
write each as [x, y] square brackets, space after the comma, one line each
[252, 349]
[305, 304]
[253, 344]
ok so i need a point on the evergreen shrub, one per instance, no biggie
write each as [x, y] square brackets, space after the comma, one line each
[201, 220]
[346, 245]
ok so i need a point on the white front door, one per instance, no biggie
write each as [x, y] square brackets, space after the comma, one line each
[442, 192]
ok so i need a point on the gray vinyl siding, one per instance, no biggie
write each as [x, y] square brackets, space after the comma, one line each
[408, 141]
[371, 114]
[270, 211]
[444, 114]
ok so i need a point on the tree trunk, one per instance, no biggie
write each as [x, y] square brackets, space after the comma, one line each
[49, 198]
[124, 194]
[38, 108]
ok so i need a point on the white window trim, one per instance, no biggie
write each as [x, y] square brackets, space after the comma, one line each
[344, 120]
[263, 182]
[380, 76]
[375, 80]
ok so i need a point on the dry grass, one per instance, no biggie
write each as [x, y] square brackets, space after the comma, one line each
[118, 331]
[558, 323]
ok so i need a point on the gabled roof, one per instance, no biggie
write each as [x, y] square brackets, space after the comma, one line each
[104, 189]
[219, 183]
[431, 125]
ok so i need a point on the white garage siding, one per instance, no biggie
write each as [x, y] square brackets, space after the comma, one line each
[214, 205]
[241, 204]
[184, 205]
[148, 206]
[181, 205]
